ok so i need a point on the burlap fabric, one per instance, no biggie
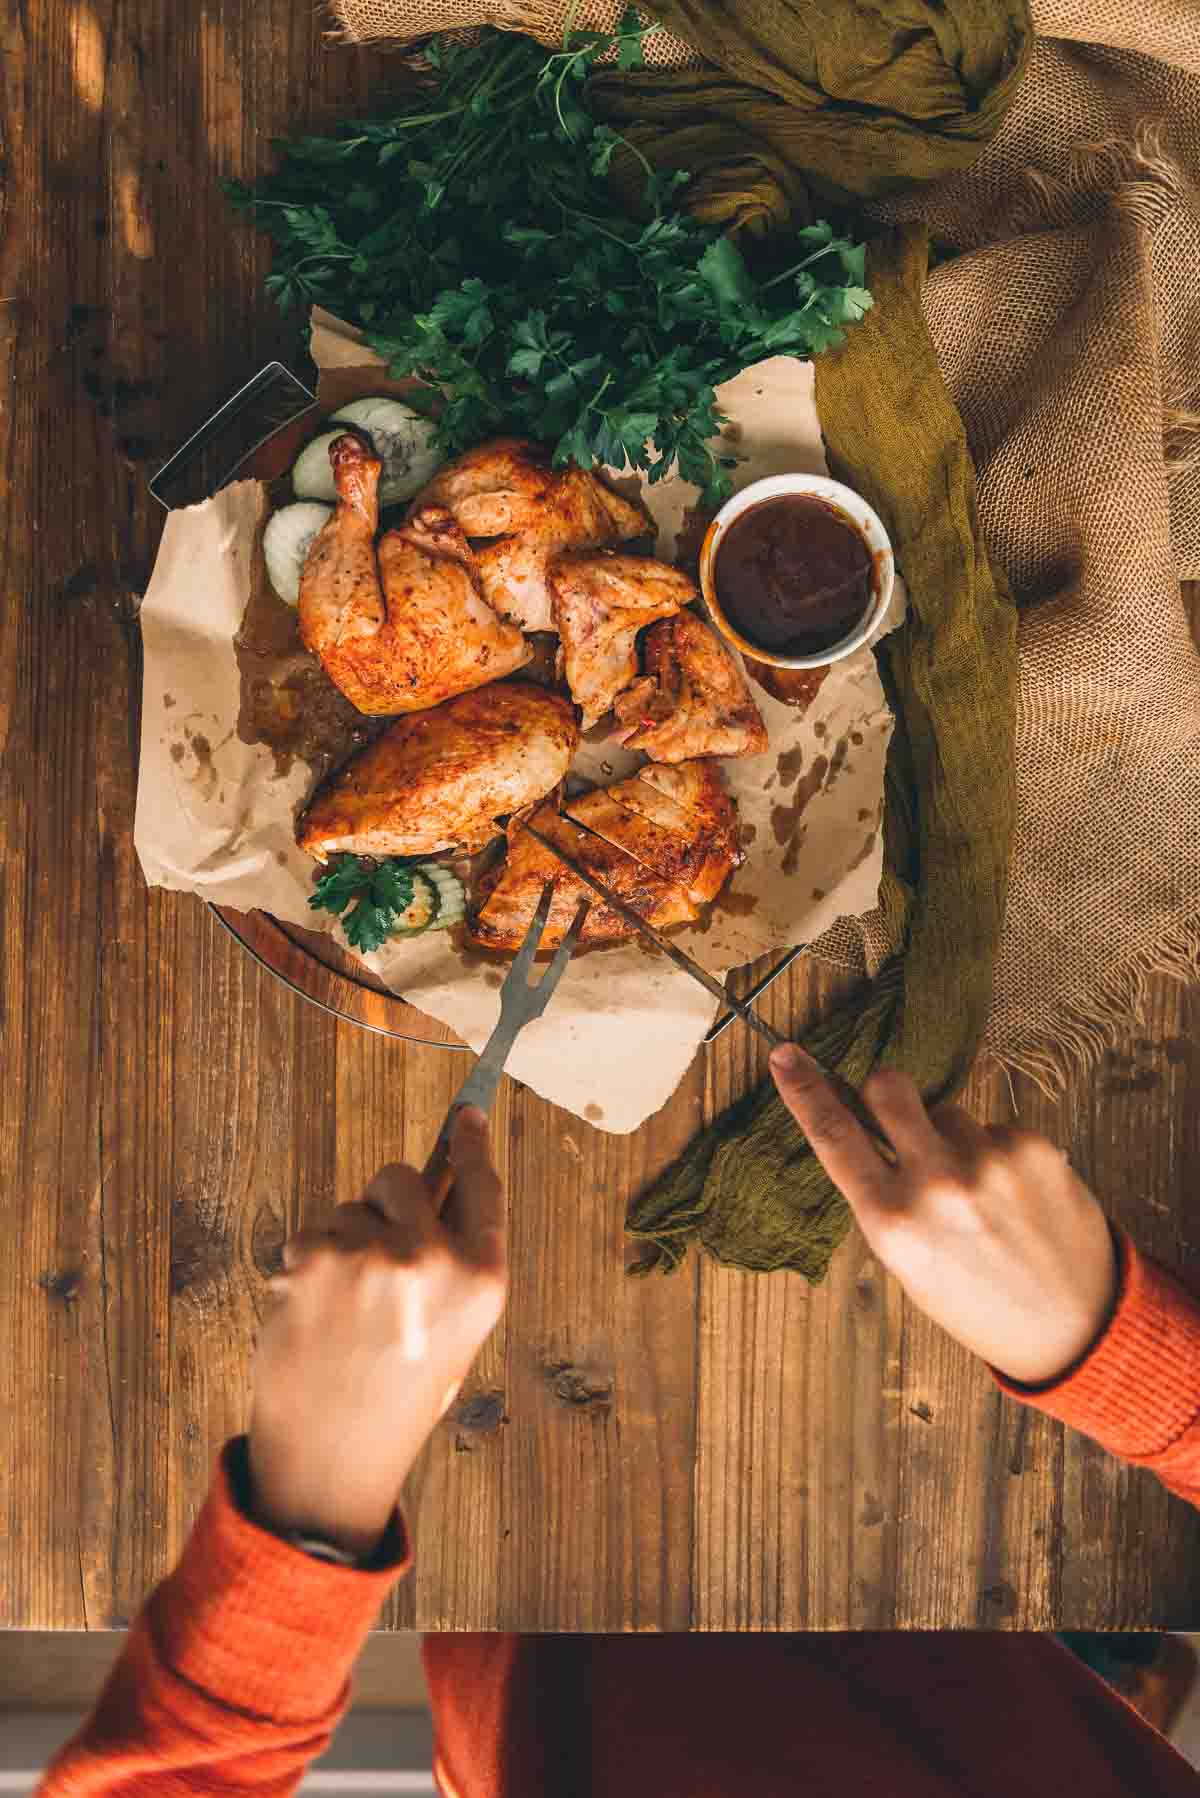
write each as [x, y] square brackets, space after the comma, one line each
[1068, 332]
[1069, 336]
[400, 21]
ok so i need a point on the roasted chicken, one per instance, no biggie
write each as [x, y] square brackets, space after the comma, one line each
[666, 855]
[507, 491]
[601, 601]
[437, 780]
[694, 699]
[405, 628]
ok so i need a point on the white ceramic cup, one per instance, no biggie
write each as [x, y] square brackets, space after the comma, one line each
[855, 510]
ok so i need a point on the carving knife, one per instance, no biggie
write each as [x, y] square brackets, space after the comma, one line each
[849, 1097]
[708, 981]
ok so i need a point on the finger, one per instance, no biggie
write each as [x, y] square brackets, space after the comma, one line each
[452, 1393]
[1012, 1140]
[958, 1128]
[299, 1249]
[895, 1101]
[398, 1193]
[837, 1138]
[474, 1212]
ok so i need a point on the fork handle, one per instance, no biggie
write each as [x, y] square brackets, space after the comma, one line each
[479, 1088]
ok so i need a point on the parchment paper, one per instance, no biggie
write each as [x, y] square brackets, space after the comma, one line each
[216, 818]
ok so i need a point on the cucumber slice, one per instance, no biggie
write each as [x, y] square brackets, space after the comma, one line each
[402, 439]
[312, 476]
[452, 895]
[421, 910]
[286, 543]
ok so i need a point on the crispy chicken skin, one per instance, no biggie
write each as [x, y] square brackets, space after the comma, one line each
[405, 628]
[438, 779]
[507, 491]
[661, 857]
[693, 849]
[694, 699]
[601, 601]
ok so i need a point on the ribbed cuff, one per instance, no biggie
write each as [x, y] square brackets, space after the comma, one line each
[1137, 1390]
[256, 1623]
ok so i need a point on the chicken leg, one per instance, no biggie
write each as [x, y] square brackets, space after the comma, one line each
[422, 636]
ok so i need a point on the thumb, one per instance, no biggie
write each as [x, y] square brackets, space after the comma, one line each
[474, 1212]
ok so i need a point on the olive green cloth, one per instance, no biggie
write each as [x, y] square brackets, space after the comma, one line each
[749, 1189]
[813, 101]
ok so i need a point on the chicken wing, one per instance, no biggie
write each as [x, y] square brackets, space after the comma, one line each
[422, 636]
[601, 603]
[694, 699]
[438, 779]
[507, 491]
[665, 867]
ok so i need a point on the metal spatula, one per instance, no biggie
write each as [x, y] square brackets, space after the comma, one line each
[520, 1002]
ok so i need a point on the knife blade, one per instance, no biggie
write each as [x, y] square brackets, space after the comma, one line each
[708, 981]
[848, 1095]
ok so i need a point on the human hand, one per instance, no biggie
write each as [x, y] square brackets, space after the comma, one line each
[372, 1328]
[987, 1229]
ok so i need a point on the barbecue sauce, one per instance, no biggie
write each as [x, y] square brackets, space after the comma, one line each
[794, 575]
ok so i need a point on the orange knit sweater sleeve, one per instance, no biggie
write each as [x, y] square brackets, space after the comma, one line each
[1137, 1390]
[236, 1671]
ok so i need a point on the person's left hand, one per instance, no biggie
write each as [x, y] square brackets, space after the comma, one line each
[374, 1324]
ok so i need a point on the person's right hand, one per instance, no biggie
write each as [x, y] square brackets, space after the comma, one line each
[375, 1322]
[988, 1230]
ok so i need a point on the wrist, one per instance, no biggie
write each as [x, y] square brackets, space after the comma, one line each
[351, 1521]
[1088, 1337]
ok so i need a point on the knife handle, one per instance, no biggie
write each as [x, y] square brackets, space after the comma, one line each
[439, 1175]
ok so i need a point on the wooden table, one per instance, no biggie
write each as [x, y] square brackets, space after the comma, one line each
[714, 1450]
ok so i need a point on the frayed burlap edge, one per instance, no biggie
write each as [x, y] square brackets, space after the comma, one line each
[1135, 176]
[1084, 1031]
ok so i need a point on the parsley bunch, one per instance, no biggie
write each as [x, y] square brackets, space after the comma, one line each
[382, 890]
[475, 236]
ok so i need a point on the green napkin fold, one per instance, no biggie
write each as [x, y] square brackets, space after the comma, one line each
[819, 101]
[748, 1188]
[851, 100]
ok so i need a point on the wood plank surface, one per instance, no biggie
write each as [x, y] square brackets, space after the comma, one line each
[714, 1450]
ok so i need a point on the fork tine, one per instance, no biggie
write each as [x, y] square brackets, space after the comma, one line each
[523, 959]
[540, 994]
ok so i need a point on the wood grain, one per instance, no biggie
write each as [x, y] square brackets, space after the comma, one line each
[713, 1450]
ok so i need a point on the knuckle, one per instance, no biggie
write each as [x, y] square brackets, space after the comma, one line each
[950, 1194]
[890, 1083]
[489, 1283]
[827, 1121]
[1026, 1148]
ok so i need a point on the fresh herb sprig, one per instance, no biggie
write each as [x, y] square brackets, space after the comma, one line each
[381, 890]
[476, 237]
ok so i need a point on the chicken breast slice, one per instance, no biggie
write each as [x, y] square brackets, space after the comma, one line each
[508, 905]
[682, 856]
[694, 700]
[437, 780]
[404, 629]
[601, 601]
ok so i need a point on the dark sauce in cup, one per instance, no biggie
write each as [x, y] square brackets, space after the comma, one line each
[794, 575]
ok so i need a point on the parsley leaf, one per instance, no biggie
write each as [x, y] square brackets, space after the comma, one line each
[474, 233]
[382, 890]
[336, 887]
